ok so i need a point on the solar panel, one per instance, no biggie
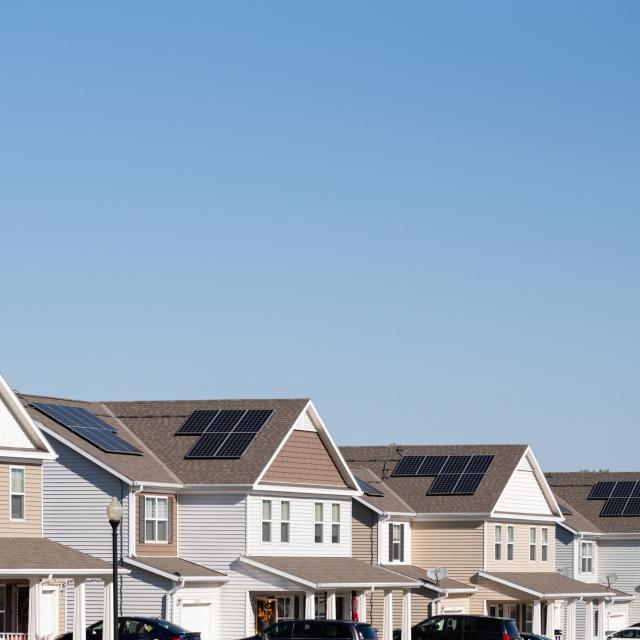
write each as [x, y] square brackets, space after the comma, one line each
[632, 507]
[408, 466]
[636, 491]
[479, 464]
[226, 420]
[431, 465]
[614, 507]
[207, 445]
[69, 416]
[235, 445]
[369, 489]
[601, 490]
[197, 422]
[443, 484]
[468, 483]
[455, 464]
[623, 489]
[106, 440]
[253, 420]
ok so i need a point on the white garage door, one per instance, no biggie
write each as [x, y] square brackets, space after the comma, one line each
[197, 617]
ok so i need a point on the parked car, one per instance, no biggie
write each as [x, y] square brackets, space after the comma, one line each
[526, 635]
[462, 627]
[629, 632]
[139, 628]
[317, 630]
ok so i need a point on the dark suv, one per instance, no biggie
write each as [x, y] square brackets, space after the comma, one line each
[138, 628]
[458, 627]
[317, 630]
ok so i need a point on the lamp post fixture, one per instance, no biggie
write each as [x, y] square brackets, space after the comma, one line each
[114, 513]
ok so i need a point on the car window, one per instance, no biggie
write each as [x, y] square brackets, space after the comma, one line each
[308, 629]
[432, 624]
[278, 630]
[366, 632]
[626, 633]
[336, 630]
[453, 624]
[131, 626]
[96, 628]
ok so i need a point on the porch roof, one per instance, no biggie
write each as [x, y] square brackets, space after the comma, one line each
[332, 572]
[25, 556]
[416, 573]
[176, 569]
[548, 584]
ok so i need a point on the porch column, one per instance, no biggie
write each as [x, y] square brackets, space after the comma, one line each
[588, 630]
[387, 620]
[601, 619]
[551, 622]
[309, 605]
[35, 594]
[406, 615]
[362, 607]
[331, 605]
[571, 620]
[107, 616]
[536, 623]
[79, 609]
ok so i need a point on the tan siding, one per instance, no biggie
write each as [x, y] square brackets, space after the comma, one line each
[32, 525]
[459, 601]
[420, 601]
[455, 545]
[520, 560]
[364, 532]
[153, 549]
[486, 592]
[304, 460]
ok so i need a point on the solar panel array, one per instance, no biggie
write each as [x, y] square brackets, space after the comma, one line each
[454, 475]
[622, 498]
[88, 426]
[224, 433]
[369, 489]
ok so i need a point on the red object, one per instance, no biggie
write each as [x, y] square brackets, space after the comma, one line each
[505, 636]
[354, 607]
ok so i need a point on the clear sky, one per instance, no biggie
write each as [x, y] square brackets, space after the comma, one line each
[423, 215]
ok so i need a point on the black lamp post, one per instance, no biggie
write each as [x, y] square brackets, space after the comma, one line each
[114, 513]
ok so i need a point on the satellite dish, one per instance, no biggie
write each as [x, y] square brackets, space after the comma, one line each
[612, 578]
[438, 573]
[565, 571]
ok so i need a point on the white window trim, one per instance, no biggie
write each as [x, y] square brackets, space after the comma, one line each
[511, 543]
[544, 545]
[156, 519]
[384, 540]
[285, 521]
[592, 545]
[317, 522]
[497, 542]
[336, 523]
[264, 521]
[533, 544]
[17, 493]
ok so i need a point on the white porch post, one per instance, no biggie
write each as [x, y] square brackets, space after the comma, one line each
[107, 616]
[551, 622]
[79, 609]
[309, 605]
[362, 606]
[387, 620]
[406, 615]
[35, 594]
[588, 630]
[536, 623]
[601, 618]
[331, 605]
[571, 620]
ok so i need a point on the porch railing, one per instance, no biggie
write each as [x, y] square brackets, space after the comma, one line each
[13, 636]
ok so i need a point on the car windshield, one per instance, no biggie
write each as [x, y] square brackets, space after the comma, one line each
[366, 632]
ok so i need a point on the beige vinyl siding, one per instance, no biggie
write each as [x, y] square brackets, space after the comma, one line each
[455, 545]
[521, 560]
[31, 527]
[485, 592]
[455, 602]
[364, 532]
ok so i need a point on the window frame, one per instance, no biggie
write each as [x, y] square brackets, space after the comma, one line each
[21, 494]
[497, 542]
[544, 544]
[318, 527]
[533, 544]
[511, 536]
[267, 523]
[285, 523]
[398, 544]
[335, 524]
[587, 544]
[156, 519]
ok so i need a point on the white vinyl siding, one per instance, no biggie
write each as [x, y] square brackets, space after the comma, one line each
[523, 494]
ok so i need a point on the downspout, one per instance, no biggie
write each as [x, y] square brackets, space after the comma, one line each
[133, 525]
[435, 601]
[171, 604]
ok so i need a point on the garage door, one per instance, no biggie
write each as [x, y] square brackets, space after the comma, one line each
[198, 617]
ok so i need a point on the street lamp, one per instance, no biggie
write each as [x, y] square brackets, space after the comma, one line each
[114, 513]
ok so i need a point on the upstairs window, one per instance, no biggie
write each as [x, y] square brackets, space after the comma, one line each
[156, 519]
[396, 543]
[335, 524]
[586, 556]
[532, 543]
[510, 540]
[319, 522]
[544, 544]
[266, 520]
[17, 493]
[285, 520]
[497, 542]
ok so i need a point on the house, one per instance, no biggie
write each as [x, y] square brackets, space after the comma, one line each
[484, 513]
[599, 539]
[34, 569]
[237, 513]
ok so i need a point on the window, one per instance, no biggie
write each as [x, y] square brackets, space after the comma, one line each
[320, 607]
[497, 542]
[544, 544]
[266, 521]
[319, 509]
[285, 520]
[17, 493]
[510, 542]
[532, 543]
[156, 519]
[335, 523]
[3, 599]
[586, 557]
[396, 543]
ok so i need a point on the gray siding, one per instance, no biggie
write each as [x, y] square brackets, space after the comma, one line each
[94, 603]
[144, 594]
[564, 549]
[622, 557]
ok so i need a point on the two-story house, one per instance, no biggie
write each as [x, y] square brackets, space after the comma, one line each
[486, 515]
[236, 513]
[33, 568]
[599, 540]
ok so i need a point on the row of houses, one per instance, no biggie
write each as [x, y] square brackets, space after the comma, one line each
[243, 512]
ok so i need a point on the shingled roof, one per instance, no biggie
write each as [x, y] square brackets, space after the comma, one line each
[574, 489]
[381, 460]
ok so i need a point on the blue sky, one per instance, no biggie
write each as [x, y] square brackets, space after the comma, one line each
[424, 216]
